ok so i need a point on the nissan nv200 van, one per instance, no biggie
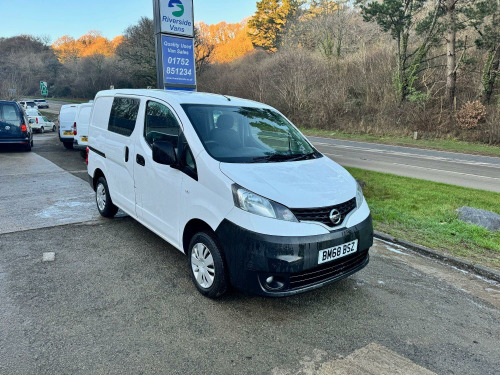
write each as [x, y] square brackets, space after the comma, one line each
[233, 185]
[67, 127]
[82, 120]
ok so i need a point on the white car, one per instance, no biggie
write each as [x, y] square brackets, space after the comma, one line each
[67, 124]
[82, 119]
[233, 185]
[41, 103]
[39, 122]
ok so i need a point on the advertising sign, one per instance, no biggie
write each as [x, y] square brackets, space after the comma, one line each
[178, 61]
[177, 17]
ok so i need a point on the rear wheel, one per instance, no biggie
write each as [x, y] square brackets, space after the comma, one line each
[42, 130]
[28, 146]
[206, 265]
[103, 199]
[83, 154]
[68, 146]
[54, 128]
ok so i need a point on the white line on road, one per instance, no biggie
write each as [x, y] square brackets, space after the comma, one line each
[419, 156]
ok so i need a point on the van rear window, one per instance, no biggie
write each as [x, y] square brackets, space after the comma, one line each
[123, 116]
[9, 114]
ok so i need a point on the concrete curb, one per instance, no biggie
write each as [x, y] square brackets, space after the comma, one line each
[428, 252]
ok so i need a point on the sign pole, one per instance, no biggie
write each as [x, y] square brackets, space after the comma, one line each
[174, 43]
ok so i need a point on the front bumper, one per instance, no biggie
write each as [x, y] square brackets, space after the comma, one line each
[293, 261]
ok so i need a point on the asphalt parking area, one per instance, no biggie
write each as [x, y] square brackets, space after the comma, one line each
[118, 299]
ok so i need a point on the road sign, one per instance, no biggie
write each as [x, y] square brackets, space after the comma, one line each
[175, 54]
[44, 88]
[177, 17]
[178, 61]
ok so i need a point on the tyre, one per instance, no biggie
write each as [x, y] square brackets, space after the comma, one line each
[103, 199]
[28, 146]
[83, 154]
[68, 146]
[54, 129]
[206, 265]
[42, 130]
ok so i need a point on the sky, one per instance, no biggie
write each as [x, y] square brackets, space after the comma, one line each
[55, 18]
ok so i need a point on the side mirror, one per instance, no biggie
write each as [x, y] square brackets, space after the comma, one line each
[164, 153]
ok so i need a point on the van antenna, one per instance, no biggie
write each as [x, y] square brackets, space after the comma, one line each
[227, 97]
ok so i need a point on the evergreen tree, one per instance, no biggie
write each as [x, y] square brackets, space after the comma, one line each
[484, 17]
[399, 18]
[268, 23]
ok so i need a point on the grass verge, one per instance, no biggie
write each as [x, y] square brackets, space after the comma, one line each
[433, 144]
[424, 212]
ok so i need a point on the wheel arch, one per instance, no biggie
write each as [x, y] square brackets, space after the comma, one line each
[191, 228]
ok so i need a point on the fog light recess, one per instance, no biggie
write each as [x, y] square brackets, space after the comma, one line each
[274, 283]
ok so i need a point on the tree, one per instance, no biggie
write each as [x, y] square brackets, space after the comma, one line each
[399, 18]
[268, 23]
[137, 53]
[484, 17]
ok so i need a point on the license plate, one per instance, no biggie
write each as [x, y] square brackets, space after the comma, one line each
[68, 133]
[337, 252]
[85, 139]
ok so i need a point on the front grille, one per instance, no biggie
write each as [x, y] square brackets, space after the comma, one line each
[322, 215]
[328, 271]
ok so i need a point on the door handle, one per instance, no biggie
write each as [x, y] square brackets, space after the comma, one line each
[126, 154]
[140, 160]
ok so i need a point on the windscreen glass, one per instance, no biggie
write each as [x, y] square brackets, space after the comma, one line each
[248, 135]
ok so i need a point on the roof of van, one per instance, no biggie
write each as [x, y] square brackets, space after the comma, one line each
[185, 97]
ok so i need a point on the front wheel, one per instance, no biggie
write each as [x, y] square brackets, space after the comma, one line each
[206, 265]
[103, 199]
[54, 129]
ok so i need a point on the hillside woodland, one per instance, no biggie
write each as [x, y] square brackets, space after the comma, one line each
[388, 67]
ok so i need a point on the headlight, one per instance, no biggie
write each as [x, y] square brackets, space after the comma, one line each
[255, 204]
[359, 196]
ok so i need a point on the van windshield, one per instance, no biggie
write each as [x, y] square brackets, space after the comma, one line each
[248, 135]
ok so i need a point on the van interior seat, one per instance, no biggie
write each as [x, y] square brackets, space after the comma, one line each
[224, 134]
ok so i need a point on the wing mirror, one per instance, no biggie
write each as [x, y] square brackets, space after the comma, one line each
[164, 153]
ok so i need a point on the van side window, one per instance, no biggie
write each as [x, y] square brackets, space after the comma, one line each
[123, 116]
[160, 124]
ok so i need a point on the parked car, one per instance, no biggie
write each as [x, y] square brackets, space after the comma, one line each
[233, 185]
[82, 128]
[14, 126]
[41, 103]
[67, 124]
[28, 104]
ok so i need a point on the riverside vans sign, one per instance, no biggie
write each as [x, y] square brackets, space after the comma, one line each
[177, 17]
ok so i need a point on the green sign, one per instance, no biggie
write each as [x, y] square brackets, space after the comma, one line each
[44, 89]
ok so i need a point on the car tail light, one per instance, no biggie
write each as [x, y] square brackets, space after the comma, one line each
[87, 158]
[74, 129]
[37, 120]
[24, 129]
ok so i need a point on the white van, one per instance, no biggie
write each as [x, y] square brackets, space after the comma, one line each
[67, 127]
[233, 185]
[82, 120]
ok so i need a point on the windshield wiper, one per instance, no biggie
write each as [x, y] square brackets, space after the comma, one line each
[281, 158]
[308, 156]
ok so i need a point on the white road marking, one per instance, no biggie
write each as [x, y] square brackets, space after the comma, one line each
[409, 154]
[425, 168]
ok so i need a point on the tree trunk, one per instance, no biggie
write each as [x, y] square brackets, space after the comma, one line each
[490, 74]
[451, 60]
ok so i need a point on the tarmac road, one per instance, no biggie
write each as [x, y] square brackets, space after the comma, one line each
[118, 300]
